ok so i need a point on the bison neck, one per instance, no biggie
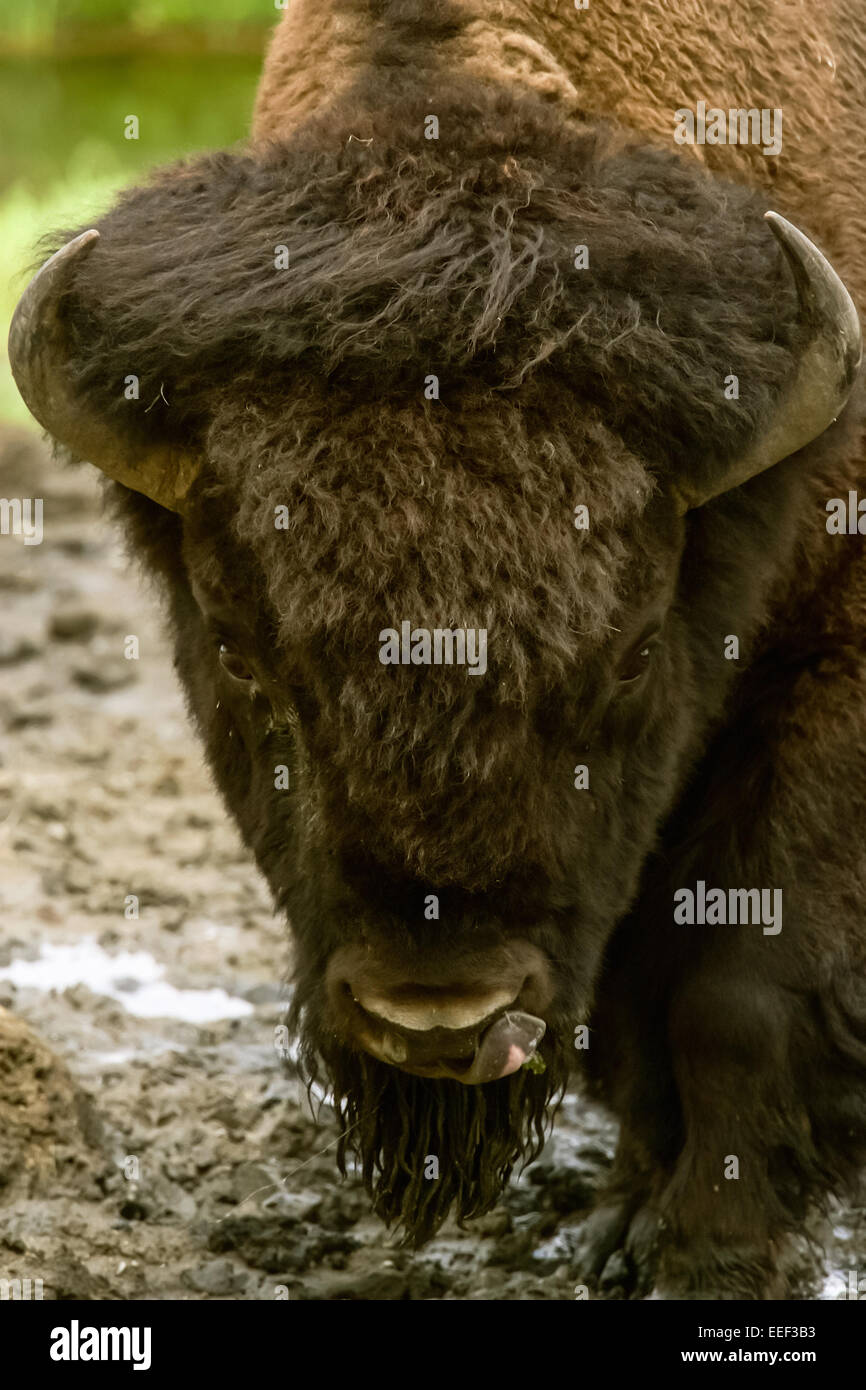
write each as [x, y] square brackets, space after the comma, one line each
[323, 49]
[621, 60]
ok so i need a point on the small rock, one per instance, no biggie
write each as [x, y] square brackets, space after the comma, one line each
[496, 1223]
[294, 1206]
[216, 1277]
[133, 1210]
[74, 625]
[127, 984]
[112, 673]
[19, 583]
[78, 879]
[16, 949]
[15, 650]
[167, 786]
[263, 994]
[29, 717]
[248, 1178]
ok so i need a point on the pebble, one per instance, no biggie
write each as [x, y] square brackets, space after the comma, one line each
[113, 673]
[216, 1277]
[74, 625]
[15, 650]
[293, 1206]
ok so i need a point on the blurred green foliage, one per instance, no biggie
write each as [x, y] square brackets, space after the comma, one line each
[35, 20]
[64, 152]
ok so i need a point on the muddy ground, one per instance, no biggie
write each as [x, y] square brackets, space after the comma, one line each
[153, 1144]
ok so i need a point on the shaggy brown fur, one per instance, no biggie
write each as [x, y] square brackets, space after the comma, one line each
[634, 62]
[303, 388]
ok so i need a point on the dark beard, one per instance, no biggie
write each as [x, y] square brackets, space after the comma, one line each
[391, 1123]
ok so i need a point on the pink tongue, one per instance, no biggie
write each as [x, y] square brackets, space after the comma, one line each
[505, 1047]
[515, 1059]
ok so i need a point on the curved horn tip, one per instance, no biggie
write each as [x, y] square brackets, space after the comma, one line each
[78, 243]
[32, 305]
[822, 293]
[37, 357]
[72, 248]
[825, 376]
[68, 253]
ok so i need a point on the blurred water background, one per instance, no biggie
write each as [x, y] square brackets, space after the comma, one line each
[71, 73]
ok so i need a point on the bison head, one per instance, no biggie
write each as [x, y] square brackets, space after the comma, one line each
[379, 388]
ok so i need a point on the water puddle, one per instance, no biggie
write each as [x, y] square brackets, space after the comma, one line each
[133, 978]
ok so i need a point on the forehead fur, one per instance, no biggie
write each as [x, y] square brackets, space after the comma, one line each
[400, 510]
[364, 512]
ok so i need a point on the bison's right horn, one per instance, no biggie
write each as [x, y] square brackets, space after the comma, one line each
[825, 374]
[37, 356]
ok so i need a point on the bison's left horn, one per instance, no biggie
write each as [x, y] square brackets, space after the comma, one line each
[826, 373]
[37, 356]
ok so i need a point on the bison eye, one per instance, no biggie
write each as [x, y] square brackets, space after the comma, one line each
[232, 662]
[636, 662]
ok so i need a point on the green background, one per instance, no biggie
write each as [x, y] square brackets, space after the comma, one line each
[71, 71]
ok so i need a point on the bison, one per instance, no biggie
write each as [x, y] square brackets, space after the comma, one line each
[478, 339]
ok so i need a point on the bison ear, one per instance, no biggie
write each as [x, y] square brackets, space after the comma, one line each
[825, 375]
[37, 356]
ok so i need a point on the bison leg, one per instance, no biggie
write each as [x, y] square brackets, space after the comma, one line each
[628, 1069]
[618, 1243]
[746, 1140]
